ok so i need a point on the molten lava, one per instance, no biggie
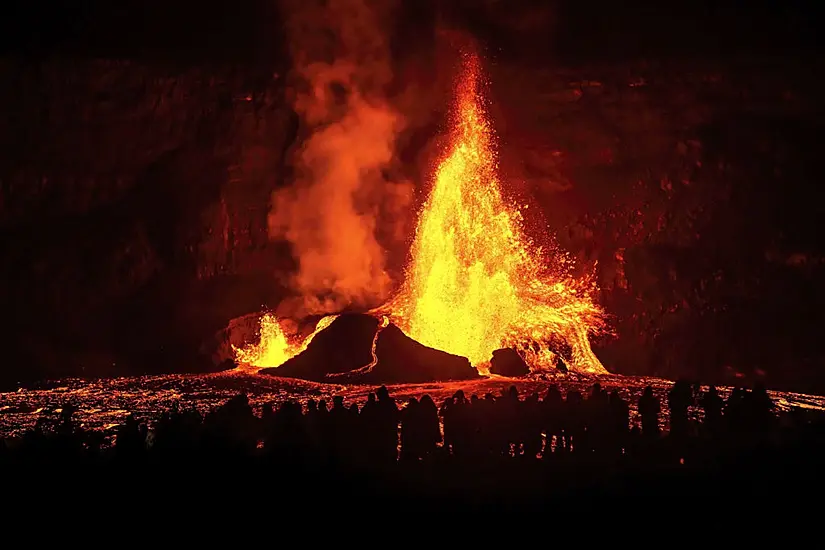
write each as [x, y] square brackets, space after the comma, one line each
[475, 283]
[275, 347]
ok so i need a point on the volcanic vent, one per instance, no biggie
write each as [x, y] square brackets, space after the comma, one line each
[474, 284]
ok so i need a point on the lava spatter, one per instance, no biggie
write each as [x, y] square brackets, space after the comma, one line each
[475, 283]
[274, 347]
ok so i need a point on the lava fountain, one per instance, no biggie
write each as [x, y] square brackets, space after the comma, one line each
[275, 347]
[475, 282]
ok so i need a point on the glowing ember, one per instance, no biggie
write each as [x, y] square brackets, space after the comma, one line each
[275, 348]
[475, 283]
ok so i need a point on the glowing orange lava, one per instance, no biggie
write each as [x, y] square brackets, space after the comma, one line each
[275, 347]
[475, 283]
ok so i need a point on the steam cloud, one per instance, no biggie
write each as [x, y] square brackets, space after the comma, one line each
[331, 212]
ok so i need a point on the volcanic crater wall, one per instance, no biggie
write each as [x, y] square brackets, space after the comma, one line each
[135, 195]
[134, 204]
[693, 187]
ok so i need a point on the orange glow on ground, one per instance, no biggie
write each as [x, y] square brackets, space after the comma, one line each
[475, 283]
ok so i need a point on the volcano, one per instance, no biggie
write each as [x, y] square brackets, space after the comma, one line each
[475, 283]
[356, 348]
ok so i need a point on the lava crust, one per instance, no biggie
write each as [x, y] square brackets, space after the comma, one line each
[507, 362]
[343, 352]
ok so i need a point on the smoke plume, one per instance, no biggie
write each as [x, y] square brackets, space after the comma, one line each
[332, 211]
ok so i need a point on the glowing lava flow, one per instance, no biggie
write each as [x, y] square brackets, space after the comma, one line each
[274, 348]
[475, 283]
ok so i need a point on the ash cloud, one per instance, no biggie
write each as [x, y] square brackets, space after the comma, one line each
[341, 197]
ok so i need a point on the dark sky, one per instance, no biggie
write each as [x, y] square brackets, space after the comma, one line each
[649, 27]
[145, 28]
[244, 29]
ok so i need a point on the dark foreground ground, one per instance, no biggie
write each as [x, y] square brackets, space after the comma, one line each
[469, 459]
[785, 473]
[757, 478]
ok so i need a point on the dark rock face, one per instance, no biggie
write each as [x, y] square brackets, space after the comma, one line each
[134, 212]
[560, 366]
[403, 360]
[507, 362]
[343, 351]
